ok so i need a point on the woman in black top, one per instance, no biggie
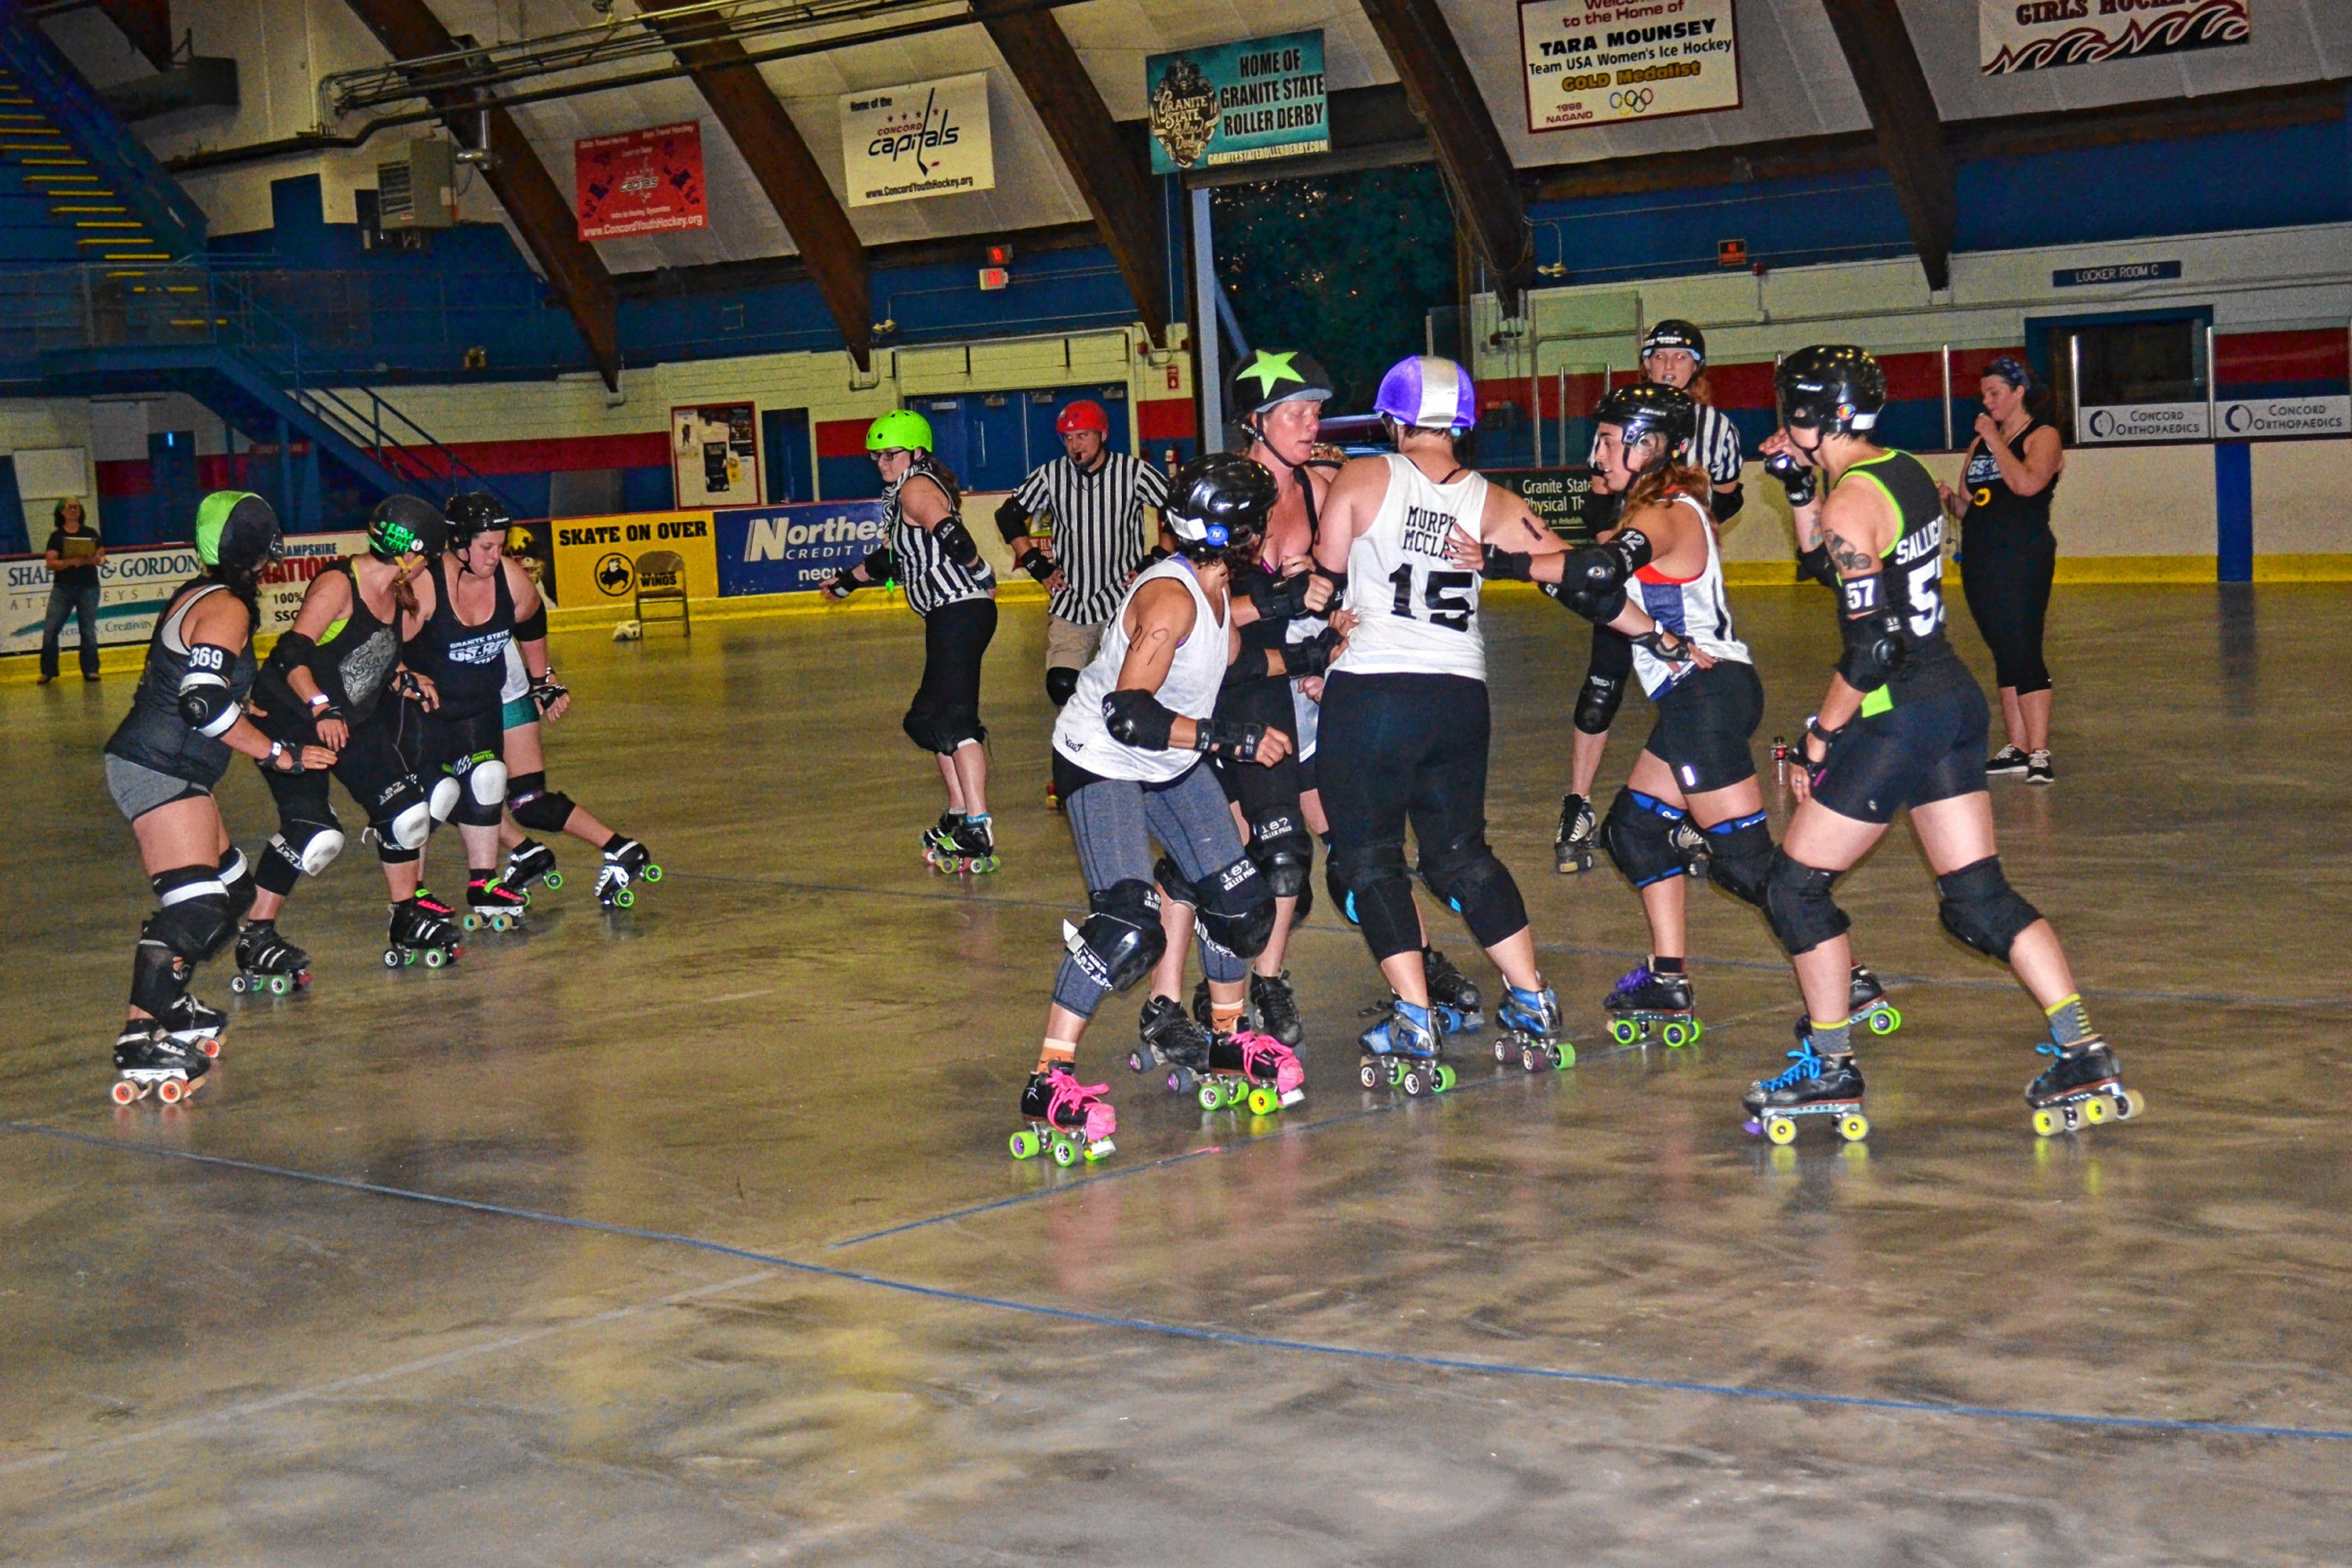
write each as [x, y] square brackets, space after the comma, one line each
[73, 587]
[2008, 556]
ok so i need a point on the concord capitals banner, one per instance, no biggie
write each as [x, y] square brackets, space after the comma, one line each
[926, 139]
[1591, 63]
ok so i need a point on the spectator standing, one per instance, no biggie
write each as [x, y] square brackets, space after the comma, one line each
[73, 555]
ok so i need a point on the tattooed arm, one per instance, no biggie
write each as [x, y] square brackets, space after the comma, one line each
[1853, 524]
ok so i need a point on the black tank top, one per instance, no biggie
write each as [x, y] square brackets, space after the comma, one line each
[351, 663]
[1997, 514]
[1911, 580]
[152, 733]
[467, 663]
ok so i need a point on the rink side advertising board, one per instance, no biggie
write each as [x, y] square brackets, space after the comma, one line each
[791, 549]
[596, 558]
[1558, 496]
[924, 139]
[1594, 62]
[1237, 103]
[2036, 35]
[134, 585]
[641, 182]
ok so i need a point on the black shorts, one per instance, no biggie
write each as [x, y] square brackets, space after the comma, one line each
[1704, 724]
[1261, 792]
[945, 713]
[453, 742]
[1914, 754]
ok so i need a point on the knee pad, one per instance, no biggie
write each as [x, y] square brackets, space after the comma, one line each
[1981, 909]
[1478, 887]
[1639, 833]
[1596, 704]
[1121, 939]
[193, 924]
[487, 781]
[1283, 852]
[1061, 683]
[1797, 902]
[478, 784]
[535, 806]
[1370, 883]
[443, 801]
[404, 833]
[1235, 909]
[305, 848]
[1739, 858]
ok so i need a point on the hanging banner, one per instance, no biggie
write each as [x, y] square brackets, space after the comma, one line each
[641, 182]
[1591, 63]
[1235, 103]
[714, 452]
[926, 139]
[2034, 35]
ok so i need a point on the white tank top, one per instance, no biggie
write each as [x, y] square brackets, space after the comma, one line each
[1418, 612]
[1190, 691]
[1697, 609]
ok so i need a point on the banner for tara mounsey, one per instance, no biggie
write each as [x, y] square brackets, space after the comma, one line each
[2032, 35]
[1603, 62]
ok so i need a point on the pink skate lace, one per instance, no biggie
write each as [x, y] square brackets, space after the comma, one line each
[1085, 1102]
[1263, 1057]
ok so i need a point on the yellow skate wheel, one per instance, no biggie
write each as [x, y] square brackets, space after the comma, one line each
[2047, 1122]
[1624, 1031]
[1263, 1101]
[1780, 1130]
[2134, 1103]
[1024, 1145]
[1678, 1035]
[1065, 1153]
[1854, 1127]
[1885, 1021]
[1699, 1027]
[2096, 1109]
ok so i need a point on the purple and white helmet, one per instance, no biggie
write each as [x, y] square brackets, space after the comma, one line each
[1429, 392]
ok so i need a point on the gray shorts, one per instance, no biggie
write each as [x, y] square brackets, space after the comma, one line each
[138, 790]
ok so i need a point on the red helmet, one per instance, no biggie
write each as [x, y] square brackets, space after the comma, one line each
[1086, 414]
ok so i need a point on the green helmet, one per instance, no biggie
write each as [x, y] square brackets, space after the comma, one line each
[237, 534]
[900, 430]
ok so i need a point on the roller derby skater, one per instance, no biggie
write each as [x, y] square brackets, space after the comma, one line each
[335, 680]
[419, 935]
[187, 718]
[1902, 726]
[929, 553]
[526, 702]
[1126, 750]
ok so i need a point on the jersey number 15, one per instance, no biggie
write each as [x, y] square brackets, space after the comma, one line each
[1445, 595]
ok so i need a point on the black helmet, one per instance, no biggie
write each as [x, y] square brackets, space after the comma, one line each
[1674, 333]
[1218, 503]
[238, 535]
[1647, 409]
[402, 525]
[1835, 388]
[1280, 376]
[472, 513]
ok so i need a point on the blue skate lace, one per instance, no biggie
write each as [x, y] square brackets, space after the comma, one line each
[1808, 1068]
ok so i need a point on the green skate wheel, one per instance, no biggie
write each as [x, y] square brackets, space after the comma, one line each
[1441, 1078]
[1699, 1027]
[1066, 1152]
[1563, 1055]
[1677, 1035]
[1624, 1031]
[1263, 1101]
[1024, 1145]
[434, 958]
[554, 879]
[279, 986]
[1210, 1096]
[1854, 1127]
[1780, 1130]
[1885, 1021]
[652, 873]
[626, 898]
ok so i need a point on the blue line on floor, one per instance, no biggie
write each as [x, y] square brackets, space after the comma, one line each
[1224, 1336]
[1574, 950]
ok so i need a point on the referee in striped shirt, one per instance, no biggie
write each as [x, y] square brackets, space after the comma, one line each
[1673, 353]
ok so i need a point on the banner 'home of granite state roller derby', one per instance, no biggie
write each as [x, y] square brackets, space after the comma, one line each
[1232, 103]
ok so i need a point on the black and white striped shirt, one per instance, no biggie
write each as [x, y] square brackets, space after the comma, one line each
[1098, 536]
[1716, 446]
[929, 578]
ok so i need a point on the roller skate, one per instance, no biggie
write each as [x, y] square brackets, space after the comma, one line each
[1526, 1026]
[626, 862]
[1690, 842]
[1400, 1050]
[266, 963]
[2083, 1087]
[418, 935]
[938, 839]
[970, 848]
[1068, 1119]
[1453, 998]
[527, 860]
[1869, 1007]
[1275, 1007]
[1647, 1006]
[200, 1028]
[1815, 1086]
[434, 905]
[1572, 845]
[1166, 1035]
[490, 903]
[148, 1060]
[1248, 1066]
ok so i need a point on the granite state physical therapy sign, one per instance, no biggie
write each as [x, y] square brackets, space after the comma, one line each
[596, 558]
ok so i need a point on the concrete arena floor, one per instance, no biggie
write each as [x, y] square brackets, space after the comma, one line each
[689, 1236]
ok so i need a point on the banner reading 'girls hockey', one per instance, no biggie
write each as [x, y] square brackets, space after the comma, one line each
[2035, 35]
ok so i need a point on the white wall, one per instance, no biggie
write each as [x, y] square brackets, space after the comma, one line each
[29, 424]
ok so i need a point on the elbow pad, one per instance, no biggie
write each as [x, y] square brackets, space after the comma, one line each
[1137, 718]
[204, 701]
[1012, 520]
[532, 627]
[1598, 608]
[1725, 503]
[1875, 645]
[1278, 598]
[957, 541]
[881, 566]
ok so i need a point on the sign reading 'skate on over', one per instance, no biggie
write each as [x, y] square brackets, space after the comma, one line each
[2035, 35]
[1603, 62]
[926, 139]
[1234, 104]
[641, 182]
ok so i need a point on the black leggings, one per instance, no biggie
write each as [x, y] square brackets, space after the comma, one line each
[377, 778]
[945, 712]
[2007, 583]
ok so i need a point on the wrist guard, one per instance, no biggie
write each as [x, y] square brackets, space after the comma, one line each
[1228, 738]
[1801, 483]
[1277, 598]
[1310, 656]
[1506, 567]
[546, 692]
[1038, 565]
